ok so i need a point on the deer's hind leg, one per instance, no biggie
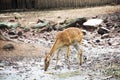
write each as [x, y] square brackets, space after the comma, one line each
[79, 49]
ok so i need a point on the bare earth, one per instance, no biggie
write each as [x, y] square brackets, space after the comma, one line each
[26, 61]
[33, 16]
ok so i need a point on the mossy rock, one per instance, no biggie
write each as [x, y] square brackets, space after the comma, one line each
[74, 22]
[41, 25]
[9, 24]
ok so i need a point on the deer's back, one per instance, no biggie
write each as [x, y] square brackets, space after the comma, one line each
[70, 35]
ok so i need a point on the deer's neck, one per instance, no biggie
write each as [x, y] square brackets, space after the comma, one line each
[54, 48]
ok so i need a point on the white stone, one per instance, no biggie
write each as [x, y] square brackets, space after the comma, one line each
[93, 22]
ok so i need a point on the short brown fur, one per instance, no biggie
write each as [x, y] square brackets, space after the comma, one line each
[66, 37]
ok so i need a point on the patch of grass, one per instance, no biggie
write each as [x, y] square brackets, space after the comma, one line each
[113, 72]
[69, 74]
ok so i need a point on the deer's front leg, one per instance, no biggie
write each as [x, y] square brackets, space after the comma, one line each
[68, 56]
[57, 58]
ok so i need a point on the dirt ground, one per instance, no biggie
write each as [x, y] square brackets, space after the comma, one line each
[33, 16]
[101, 61]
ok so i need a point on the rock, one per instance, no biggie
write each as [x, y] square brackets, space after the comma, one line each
[117, 25]
[40, 24]
[9, 24]
[11, 20]
[103, 30]
[78, 22]
[118, 31]
[26, 29]
[1, 68]
[103, 17]
[3, 26]
[2, 64]
[12, 32]
[109, 43]
[58, 16]
[90, 28]
[19, 33]
[2, 37]
[13, 36]
[52, 25]
[93, 22]
[109, 24]
[102, 25]
[61, 21]
[97, 41]
[13, 24]
[84, 32]
[105, 36]
[8, 47]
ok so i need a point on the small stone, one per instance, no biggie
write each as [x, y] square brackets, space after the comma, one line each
[19, 33]
[84, 32]
[109, 43]
[90, 28]
[40, 24]
[103, 30]
[12, 32]
[105, 36]
[13, 36]
[97, 41]
[8, 47]
[59, 17]
[26, 29]
[1, 68]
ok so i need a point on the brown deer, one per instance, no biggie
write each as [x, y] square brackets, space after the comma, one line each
[67, 37]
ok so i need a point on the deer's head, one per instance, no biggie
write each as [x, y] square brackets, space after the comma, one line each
[46, 62]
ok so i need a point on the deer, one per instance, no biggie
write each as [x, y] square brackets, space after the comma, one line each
[66, 38]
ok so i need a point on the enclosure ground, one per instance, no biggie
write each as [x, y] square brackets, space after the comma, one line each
[101, 61]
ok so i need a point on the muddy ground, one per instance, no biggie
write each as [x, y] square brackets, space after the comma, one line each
[101, 53]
